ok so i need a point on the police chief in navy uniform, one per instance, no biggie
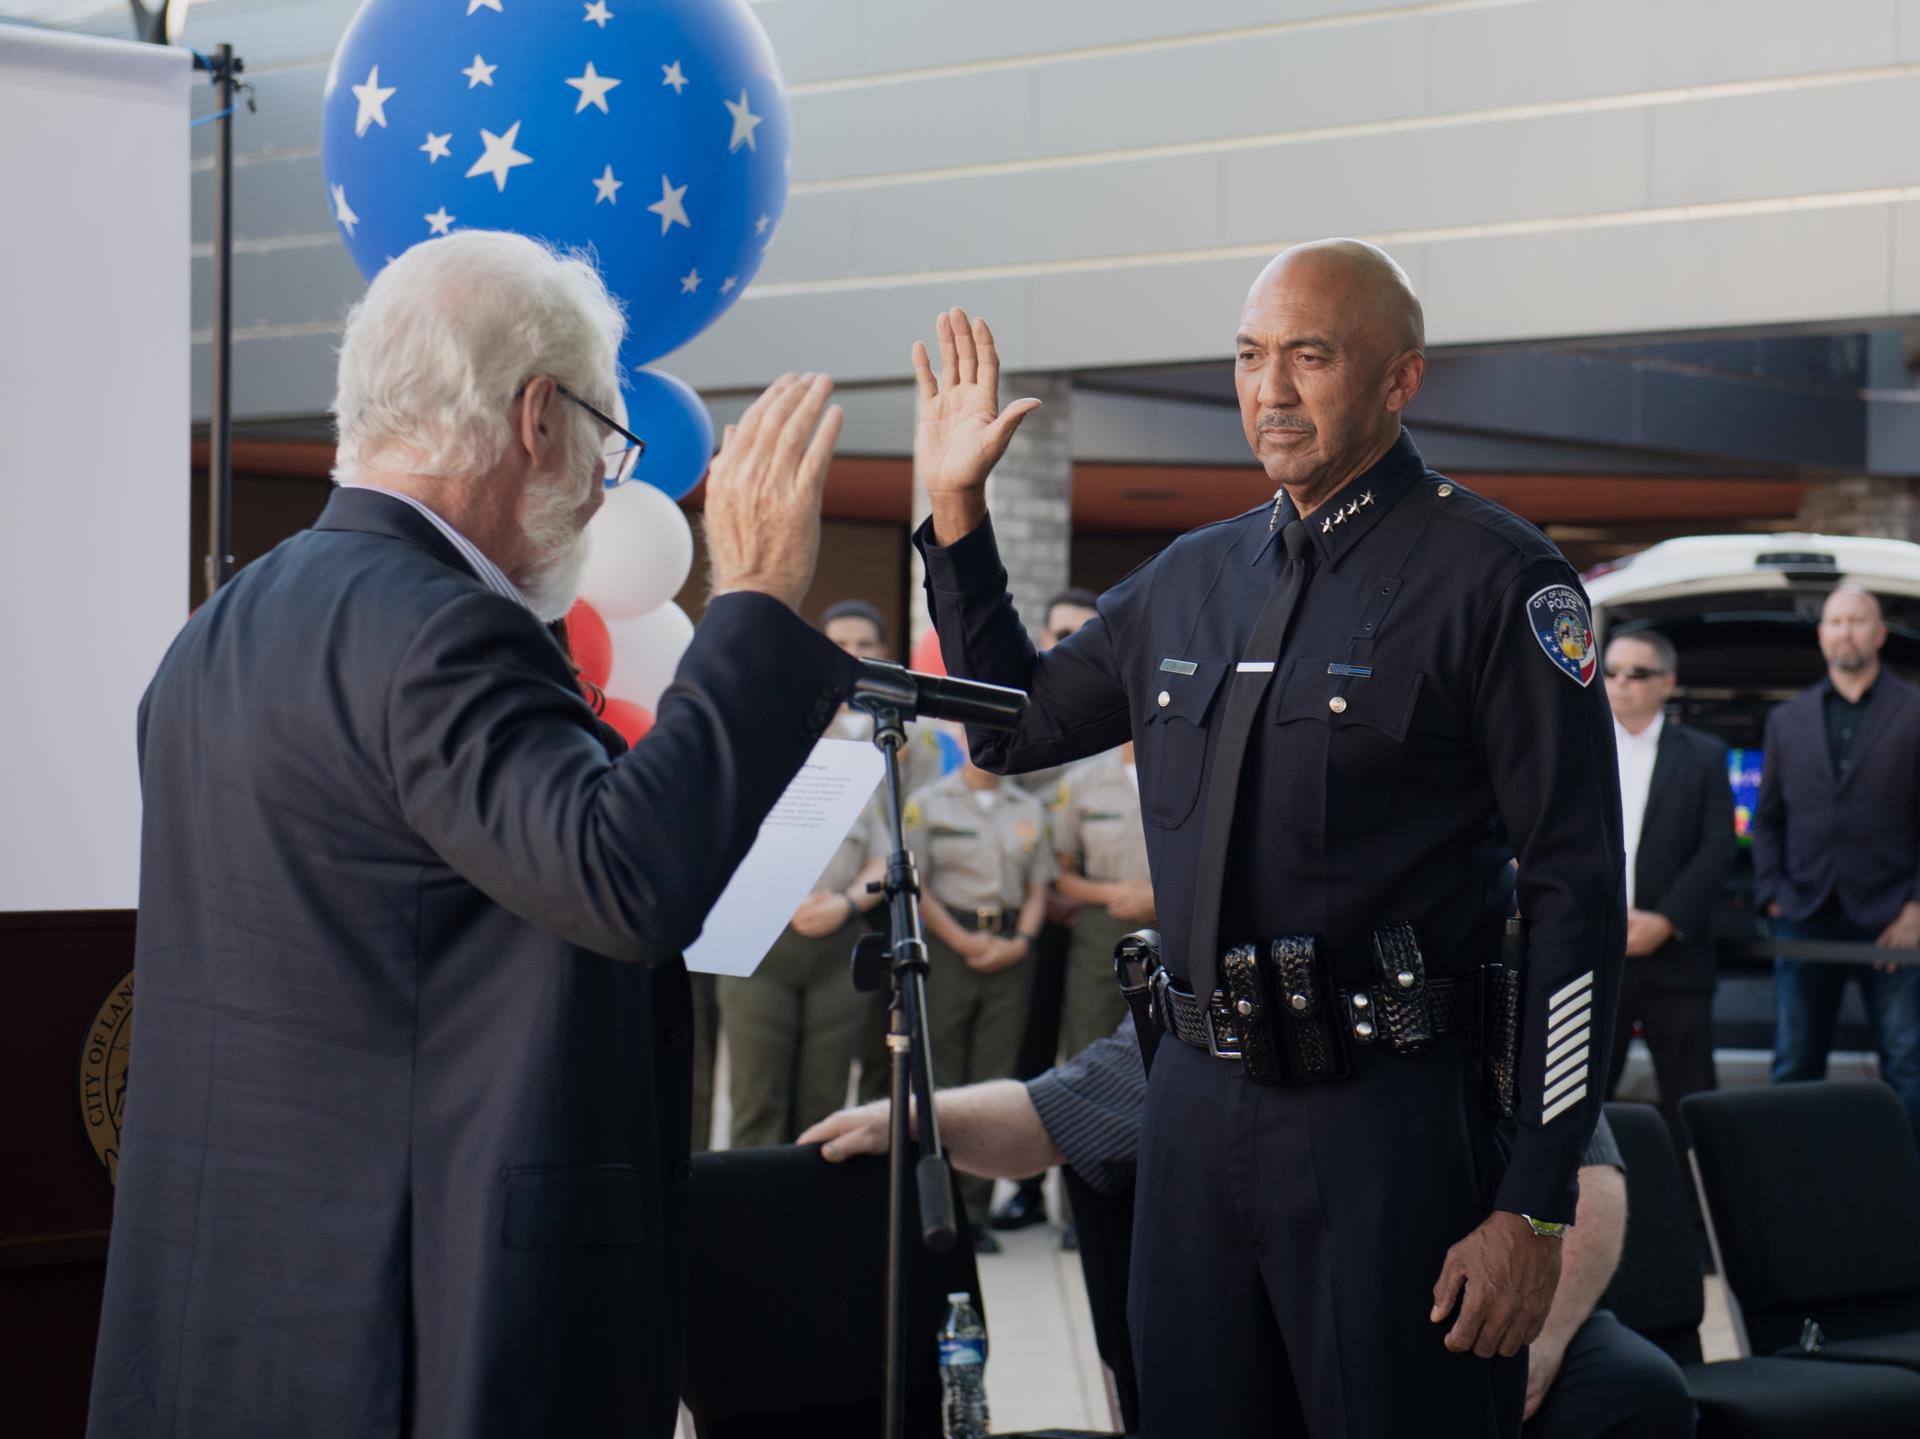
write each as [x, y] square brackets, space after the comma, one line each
[1394, 667]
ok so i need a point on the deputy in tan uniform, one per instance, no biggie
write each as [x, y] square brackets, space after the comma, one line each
[792, 1028]
[985, 861]
[858, 628]
[1101, 847]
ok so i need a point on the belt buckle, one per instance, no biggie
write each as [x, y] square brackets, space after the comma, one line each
[1213, 1042]
[988, 916]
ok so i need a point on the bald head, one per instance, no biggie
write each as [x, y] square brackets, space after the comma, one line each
[1852, 631]
[1327, 358]
[1365, 274]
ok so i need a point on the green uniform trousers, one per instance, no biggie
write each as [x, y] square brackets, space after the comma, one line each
[1093, 1005]
[791, 1031]
[974, 1023]
[706, 1035]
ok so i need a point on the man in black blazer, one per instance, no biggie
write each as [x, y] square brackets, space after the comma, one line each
[1678, 807]
[406, 1135]
[1836, 847]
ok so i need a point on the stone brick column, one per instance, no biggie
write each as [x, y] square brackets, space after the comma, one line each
[1880, 506]
[1031, 499]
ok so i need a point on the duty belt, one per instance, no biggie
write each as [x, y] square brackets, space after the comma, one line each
[1212, 1027]
[1277, 1013]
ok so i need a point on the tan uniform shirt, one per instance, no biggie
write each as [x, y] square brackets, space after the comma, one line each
[971, 857]
[863, 842]
[1096, 819]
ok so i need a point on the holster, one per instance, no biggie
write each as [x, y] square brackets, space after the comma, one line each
[1136, 960]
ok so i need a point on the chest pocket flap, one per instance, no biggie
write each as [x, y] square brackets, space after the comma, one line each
[1173, 738]
[1177, 696]
[1382, 700]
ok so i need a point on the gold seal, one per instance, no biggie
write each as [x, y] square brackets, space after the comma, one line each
[103, 1074]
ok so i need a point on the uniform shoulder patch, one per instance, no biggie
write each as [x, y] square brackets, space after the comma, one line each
[1060, 796]
[1564, 628]
[910, 815]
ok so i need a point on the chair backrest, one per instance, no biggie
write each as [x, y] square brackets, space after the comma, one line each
[1657, 1290]
[787, 1298]
[1104, 1224]
[1813, 1191]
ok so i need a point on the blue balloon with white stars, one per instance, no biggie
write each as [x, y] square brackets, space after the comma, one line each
[655, 131]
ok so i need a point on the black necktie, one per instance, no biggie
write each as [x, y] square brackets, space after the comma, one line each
[1248, 688]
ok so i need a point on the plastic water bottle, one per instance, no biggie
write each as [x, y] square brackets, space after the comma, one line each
[963, 1371]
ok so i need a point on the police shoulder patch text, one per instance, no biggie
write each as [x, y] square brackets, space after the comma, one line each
[1564, 628]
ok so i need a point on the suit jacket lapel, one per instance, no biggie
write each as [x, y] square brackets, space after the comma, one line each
[1815, 738]
[1668, 757]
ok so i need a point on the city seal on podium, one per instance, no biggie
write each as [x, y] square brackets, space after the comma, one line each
[103, 1073]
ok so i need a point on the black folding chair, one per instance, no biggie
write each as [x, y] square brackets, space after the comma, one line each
[786, 1298]
[1658, 1293]
[1813, 1199]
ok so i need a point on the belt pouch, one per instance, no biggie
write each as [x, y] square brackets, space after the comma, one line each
[1502, 1036]
[1252, 1015]
[1403, 1009]
[1306, 1010]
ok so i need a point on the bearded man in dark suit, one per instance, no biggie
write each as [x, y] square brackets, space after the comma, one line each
[406, 1136]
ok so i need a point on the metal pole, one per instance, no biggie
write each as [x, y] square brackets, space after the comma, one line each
[219, 557]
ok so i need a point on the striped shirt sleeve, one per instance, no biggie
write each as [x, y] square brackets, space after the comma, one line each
[1091, 1107]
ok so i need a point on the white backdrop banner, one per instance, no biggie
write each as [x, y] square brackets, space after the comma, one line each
[94, 434]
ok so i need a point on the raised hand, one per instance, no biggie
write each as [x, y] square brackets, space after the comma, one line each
[960, 432]
[763, 491]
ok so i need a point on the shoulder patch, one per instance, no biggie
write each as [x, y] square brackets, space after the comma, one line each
[1060, 796]
[1564, 629]
[910, 815]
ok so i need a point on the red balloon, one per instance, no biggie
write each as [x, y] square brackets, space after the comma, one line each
[591, 644]
[926, 655]
[630, 719]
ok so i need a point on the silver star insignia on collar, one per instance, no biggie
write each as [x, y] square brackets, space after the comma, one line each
[1354, 508]
[1326, 526]
[1367, 498]
[1339, 517]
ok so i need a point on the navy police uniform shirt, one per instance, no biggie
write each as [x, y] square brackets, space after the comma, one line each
[1436, 683]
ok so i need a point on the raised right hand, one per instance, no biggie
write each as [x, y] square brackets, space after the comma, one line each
[762, 516]
[960, 431]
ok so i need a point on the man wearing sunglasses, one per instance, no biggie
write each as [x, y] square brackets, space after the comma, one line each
[1677, 807]
[407, 1132]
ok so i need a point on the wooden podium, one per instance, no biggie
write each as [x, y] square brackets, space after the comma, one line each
[65, 1002]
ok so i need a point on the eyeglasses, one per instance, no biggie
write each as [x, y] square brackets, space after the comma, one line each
[1633, 672]
[621, 457]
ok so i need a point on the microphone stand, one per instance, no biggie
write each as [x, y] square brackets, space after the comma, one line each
[904, 957]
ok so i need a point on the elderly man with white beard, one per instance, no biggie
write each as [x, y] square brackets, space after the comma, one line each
[406, 1135]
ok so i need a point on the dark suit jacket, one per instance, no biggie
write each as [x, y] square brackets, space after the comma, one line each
[1857, 839]
[1685, 854]
[407, 1121]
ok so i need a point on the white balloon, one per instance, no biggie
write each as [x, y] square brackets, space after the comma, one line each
[646, 652]
[639, 553]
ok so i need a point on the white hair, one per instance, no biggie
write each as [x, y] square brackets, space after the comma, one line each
[447, 335]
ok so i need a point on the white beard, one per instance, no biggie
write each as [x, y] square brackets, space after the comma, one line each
[552, 580]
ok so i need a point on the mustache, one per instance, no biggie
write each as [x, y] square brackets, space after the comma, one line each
[1283, 422]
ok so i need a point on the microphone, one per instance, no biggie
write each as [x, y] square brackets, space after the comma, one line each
[922, 696]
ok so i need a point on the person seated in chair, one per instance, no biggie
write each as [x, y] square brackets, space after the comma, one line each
[1588, 1375]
